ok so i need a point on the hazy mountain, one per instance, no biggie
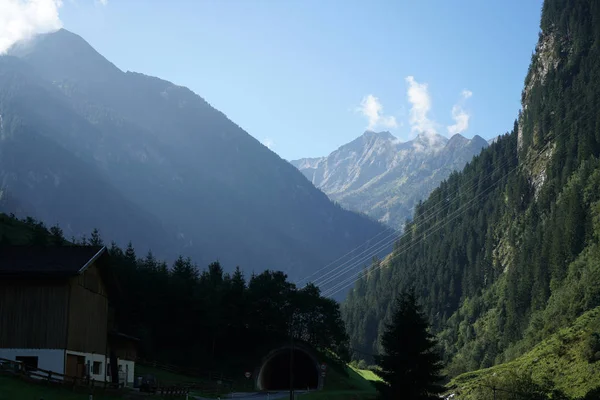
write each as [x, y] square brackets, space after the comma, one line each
[143, 159]
[383, 177]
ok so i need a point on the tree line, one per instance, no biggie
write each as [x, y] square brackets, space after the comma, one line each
[194, 317]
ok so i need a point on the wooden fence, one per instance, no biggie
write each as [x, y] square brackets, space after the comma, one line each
[173, 390]
[215, 383]
[18, 368]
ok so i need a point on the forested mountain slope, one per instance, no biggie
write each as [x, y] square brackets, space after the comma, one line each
[381, 176]
[86, 145]
[505, 253]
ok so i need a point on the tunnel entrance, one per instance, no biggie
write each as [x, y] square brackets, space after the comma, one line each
[275, 372]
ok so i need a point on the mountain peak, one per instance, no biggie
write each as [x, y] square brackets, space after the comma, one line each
[65, 55]
[386, 135]
[429, 140]
[457, 140]
[458, 136]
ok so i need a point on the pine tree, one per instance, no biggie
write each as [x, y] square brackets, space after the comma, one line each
[57, 238]
[410, 367]
[130, 255]
[95, 239]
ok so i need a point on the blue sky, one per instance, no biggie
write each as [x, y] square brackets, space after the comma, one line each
[305, 75]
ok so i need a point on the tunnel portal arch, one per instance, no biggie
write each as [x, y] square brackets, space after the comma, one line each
[274, 369]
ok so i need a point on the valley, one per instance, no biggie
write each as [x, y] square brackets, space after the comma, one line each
[418, 260]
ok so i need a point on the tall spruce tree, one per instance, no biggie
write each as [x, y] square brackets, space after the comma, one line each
[411, 366]
[57, 237]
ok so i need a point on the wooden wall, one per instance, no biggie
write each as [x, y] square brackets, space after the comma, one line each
[33, 314]
[88, 313]
[124, 349]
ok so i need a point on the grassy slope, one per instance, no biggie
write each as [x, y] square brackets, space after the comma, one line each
[558, 359]
[17, 231]
[166, 376]
[15, 389]
[205, 389]
[355, 386]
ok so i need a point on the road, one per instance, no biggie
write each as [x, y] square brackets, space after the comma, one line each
[255, 396]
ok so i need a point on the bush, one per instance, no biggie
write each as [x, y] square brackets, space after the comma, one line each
[591, 349]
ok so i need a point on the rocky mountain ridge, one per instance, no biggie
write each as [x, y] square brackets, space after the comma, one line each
[381, 176]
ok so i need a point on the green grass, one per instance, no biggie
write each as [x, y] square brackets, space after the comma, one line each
[559, 359]
[355, 384]
[15, 389]
[166, 376]
[367, 375]
[17, 231]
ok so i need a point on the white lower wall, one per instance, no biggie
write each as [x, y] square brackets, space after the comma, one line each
[126, 371]
[54, 360]
[48, 359]
[129, 368]
[90, 358]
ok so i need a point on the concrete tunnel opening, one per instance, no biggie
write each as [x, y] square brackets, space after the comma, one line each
[275, 372]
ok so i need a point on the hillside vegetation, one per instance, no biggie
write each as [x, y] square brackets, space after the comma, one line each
[506, 253]
[568, 361]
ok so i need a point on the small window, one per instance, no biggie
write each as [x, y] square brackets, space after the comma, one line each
[29, 362]
[97, 368]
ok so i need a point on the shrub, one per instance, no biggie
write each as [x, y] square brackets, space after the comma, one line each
[591, 349]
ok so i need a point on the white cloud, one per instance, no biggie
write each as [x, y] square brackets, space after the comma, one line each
[371, 108]
[418, 97]
[460, 115]
[22, 19]
[269, 143]
[102, 2]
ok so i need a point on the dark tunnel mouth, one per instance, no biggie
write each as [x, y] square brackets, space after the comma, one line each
[275, 372]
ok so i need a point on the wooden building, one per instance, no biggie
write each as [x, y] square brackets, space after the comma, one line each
[54, 309]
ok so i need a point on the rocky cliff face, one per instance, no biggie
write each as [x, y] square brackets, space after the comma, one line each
[381, 176]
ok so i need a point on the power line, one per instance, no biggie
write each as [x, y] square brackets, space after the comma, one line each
[342, 285]
[429, 217]
[389, 240]
[395, 237]
[340, 258]
[351, 280]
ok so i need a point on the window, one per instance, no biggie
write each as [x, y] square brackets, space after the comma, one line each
[29, 362]
[97, 368]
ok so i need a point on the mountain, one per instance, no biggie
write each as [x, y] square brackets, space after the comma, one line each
[87, 145]
[507, 252]
[380, 176]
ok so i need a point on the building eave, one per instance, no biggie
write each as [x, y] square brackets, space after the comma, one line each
[92, 260]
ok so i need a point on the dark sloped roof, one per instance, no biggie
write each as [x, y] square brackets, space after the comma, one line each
[123, 336]
[60, 262]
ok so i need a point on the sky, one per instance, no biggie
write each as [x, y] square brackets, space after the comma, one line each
[307, 76]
